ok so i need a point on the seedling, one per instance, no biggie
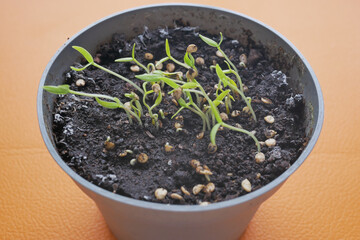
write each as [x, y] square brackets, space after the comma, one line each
[183, 93]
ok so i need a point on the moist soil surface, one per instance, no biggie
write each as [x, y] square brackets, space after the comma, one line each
[81, 126]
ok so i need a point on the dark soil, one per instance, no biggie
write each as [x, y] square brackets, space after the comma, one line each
[81, 126]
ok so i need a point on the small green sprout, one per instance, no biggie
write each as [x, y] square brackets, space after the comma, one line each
[212, 43]
[133, 59]
[90, 60]
[157, 91]
[112, 104]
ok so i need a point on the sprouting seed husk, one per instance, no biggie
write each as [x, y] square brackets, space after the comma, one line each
[174, 102]
[168, 147]
[148, 56]
[160, 193]
[271, 142]
[178, 125]
[109, 145]
[246, 110]
[177, 93]
[199, 61]
[260, 157]
[235, 113]
[266, 100]
[194, 163]
[176, 196]
[200, 135]
[142, 158]
[192, 48]
[135, 68]
[80, 83]
[219, 54]
[246, 185]
[243, 58]
[123, 154]
[224, 116]
[186, 192]
[156, 88]
[209, 188]
[158, 66]
[212, 148]
[196, 189]
[270, 133]
[258, 175]
[170, 67]
[269, 119]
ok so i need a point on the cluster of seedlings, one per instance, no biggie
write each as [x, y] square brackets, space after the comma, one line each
[187, 93]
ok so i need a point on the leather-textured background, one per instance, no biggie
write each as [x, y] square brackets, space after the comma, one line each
[320, 201]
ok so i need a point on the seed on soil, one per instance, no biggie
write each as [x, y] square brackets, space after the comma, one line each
[202, 171]
[142, 158]
[156, 88]
[219, 54]
[129, 151]
[199, 61]
[148, 56]
[194, 163]
[170, 67]
[160, 193]
[246, 110]
[243, 58]
[235, 113]
[176, 196]
[214, 62]
[209, 188]
[133, 162]
[238, 125]
[266, 100]
[168, 147]
[270, 133]
[80, 83]
[224, 116]
[135, 68]
[197, 189]
[200, 135]
[186, 192]
[270, 142]
[123, 154]
[179, 117]
[191, 48]
[245, 88]
[204, 203]
[127, 105]
[246, 185]
[258, 175]
[178, 125]
[191, 74]
[269, 119]
[259, 157]
[230, 174]
[158, 66]
[212, 148]
[109, 145]
[174, 102]
[177, 93]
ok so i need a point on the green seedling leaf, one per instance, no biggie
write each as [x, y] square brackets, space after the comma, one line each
[169, 82]
[106, 104]
[80, 69]
[133, 51]
[158, 99]
[127, 59]
[208, 41]
[167, 48]
[189, 60]
[213, 132]
[182, 102]
[60, 89]
[189, 85]
[85, 53]
[221, 75]
[221, 38]
[221, 97]
[178, 111]
[149, 77]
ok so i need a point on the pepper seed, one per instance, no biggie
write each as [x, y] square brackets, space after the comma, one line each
[160, 193]
[135, 68]
[269, 119]
[246, 185]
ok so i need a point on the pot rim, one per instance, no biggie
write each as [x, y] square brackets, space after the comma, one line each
[180, 208]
